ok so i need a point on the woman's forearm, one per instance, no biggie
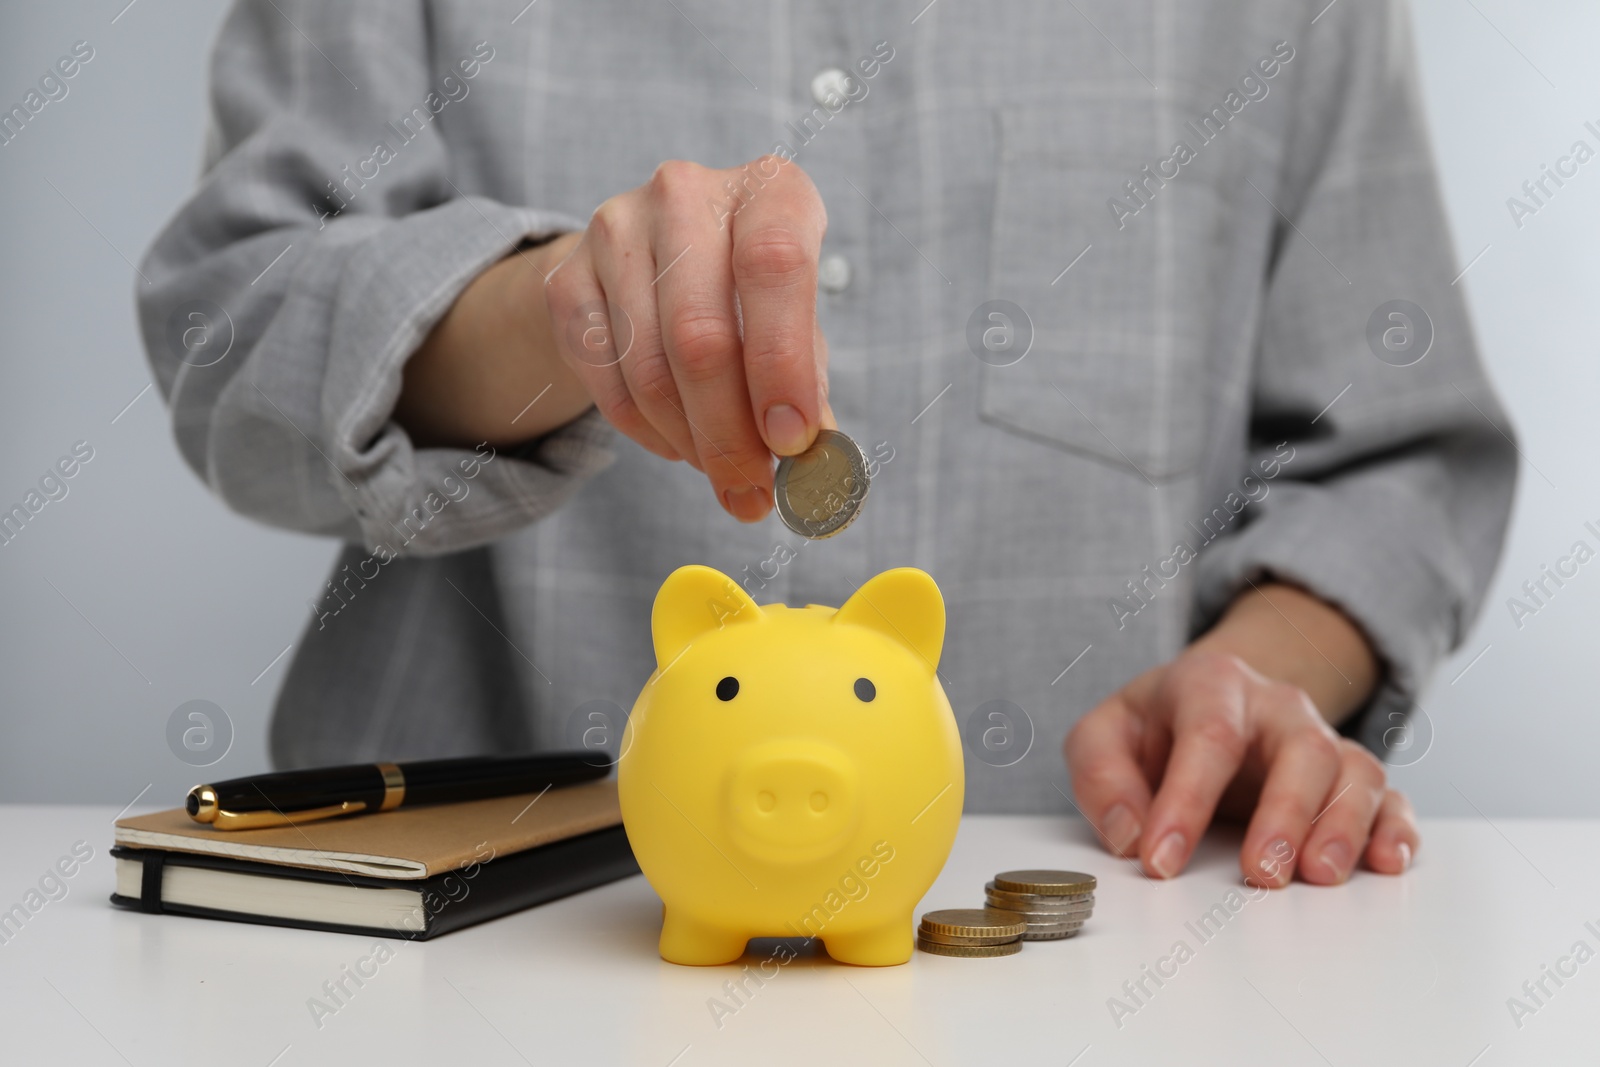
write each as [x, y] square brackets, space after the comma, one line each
[1290, 635]
[477, 375]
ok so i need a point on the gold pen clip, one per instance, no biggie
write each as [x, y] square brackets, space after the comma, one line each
[206, 811]
[253, 820]
[203, 806]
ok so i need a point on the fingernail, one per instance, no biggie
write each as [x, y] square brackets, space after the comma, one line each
[1405, 856]
[1167, 859]
[1274, 862]
[786, 429]
[1121, 828]
[1336, 858]
[745, 503]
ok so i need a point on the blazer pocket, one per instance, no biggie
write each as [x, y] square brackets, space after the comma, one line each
[1113, 369]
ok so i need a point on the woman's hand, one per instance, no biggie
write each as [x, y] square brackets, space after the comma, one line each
[1211, 734]
[686, 312]
[720, 361]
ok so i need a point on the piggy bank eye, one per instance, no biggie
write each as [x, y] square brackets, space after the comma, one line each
[728, 688]
[865, 690]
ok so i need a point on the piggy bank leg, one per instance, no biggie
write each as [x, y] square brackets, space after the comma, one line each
[876, 946]
[689, 941]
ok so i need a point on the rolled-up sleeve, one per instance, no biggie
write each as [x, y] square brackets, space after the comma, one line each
[1394, 503]
[286, 295]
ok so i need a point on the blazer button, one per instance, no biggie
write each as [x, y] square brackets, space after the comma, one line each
[833, 273]
[829, 84]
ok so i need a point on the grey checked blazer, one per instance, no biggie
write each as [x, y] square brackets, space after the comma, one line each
[1200, 209]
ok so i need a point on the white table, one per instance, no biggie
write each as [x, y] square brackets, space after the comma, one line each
[1411, 970]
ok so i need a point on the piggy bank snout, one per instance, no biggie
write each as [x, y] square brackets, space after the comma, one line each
[792, 801]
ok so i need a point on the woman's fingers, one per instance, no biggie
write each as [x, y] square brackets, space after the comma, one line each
[619, 238]
[1207, 725]
[1304, 763]
[825, 418]
[1394, 835]
[693, 289]
[586, 337]
[1206, 701]
[777, 238]
[694, 327]
[1339, 836]
[1102, 757]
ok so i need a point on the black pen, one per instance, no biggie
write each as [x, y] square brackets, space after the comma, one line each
[289, 797]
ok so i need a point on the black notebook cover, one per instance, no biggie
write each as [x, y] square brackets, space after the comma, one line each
[499, 886]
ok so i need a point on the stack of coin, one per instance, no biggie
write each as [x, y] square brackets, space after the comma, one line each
[971, 932]
[1053, 903]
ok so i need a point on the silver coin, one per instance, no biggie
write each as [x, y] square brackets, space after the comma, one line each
[1077, 907]
[819, 492]
[1008, 904]
[1022, 900]
[1036, 898]
[1052, 916]
[1058, 936]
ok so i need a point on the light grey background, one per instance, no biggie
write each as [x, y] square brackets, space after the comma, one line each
[138, 591]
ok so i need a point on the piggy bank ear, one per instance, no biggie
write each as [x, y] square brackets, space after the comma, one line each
[903, 604]
[696, 600]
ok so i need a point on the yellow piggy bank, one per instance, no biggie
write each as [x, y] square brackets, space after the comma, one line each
[792, 772]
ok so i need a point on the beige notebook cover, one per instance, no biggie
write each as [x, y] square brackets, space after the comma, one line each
[407, 843]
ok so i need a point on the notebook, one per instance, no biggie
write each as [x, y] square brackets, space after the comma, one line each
[411, 873]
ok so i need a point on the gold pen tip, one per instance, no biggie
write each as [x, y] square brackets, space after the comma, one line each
[201, 804]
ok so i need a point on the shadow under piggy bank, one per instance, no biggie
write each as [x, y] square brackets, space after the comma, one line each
[792, 772]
